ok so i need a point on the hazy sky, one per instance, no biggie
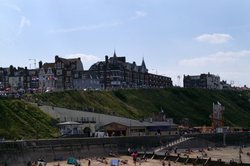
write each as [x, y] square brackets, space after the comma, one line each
[175, 37]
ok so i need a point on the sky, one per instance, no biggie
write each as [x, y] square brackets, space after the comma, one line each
[175, 37]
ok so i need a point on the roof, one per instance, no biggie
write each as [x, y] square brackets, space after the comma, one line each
[95, 65]
[137, 123]
[103, 119]
[90, 75]
[69, 123]
[47, 65]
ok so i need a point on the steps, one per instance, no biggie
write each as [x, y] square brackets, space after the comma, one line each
[173, 143]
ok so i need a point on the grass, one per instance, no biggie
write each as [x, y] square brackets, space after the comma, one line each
[19, 120]
[179, 103]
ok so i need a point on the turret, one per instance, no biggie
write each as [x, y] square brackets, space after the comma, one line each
[143, 64]
[114, 57]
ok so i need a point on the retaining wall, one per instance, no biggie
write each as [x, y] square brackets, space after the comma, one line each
[20, 152]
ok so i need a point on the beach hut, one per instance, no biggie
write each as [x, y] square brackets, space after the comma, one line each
[114, 162]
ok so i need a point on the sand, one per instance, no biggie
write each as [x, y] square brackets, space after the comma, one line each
[226, 154]
[94, 162]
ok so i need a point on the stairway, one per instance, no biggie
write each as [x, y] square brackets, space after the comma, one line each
[173, 143]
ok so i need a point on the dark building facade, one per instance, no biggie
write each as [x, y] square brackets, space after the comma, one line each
[206, 81]
[66, 71]
[115, 73]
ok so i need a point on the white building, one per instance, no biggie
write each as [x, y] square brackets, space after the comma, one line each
[71, 128]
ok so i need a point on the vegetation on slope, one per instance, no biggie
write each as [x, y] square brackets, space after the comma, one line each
[179, 103]
[100, 101]
[194, 104]
[20, 120]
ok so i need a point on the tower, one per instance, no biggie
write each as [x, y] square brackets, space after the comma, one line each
[217, 115]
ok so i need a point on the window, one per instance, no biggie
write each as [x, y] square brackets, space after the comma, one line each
[58, 72]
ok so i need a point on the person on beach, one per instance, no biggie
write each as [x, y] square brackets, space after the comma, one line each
[134, 155]
[89, 162]
[129, 151]
[175, 150]
[169, 163]
[29, 163]
[240, 151]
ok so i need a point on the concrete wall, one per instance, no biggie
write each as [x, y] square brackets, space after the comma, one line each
[236, 139]
[19, 153]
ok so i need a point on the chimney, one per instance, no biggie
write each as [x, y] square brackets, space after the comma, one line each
[106, 58]
[40, 64]
[56, 58]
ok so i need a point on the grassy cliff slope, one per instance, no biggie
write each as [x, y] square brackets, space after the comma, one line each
[21, 120]
[179, 103]
[18, 119]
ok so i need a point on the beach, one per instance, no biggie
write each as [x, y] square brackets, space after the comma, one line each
[95, 162]
[226, 154]
[234, 153]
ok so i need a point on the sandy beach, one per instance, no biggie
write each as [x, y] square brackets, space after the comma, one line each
[226, 154]
[94, 162]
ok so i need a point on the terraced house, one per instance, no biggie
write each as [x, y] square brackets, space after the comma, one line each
[13, 79]
[65, 74]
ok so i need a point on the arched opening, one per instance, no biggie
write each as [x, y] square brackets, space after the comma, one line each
[87, 131]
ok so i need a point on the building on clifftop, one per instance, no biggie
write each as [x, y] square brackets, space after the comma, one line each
[116, 73]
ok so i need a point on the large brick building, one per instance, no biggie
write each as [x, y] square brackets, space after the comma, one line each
[115, 72]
